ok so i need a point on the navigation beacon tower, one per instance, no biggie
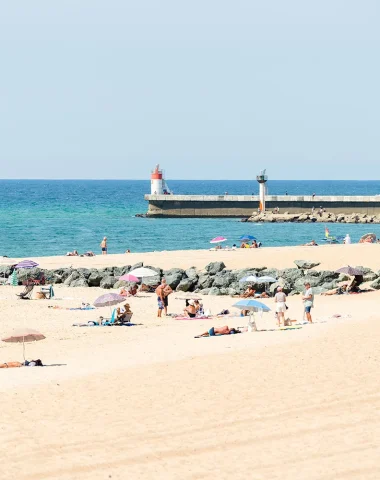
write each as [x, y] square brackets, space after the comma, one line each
[158, 184]
[262, 179]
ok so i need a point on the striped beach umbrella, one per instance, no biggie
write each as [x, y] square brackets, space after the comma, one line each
[27, 264]
[14, 279]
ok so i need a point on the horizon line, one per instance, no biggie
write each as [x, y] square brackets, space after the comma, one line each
[194, 179]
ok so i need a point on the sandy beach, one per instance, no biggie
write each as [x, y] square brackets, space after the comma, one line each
[151, 401]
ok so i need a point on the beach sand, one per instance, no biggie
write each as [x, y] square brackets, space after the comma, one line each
[151, 401]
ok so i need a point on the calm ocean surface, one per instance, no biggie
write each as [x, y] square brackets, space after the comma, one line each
[45, 217]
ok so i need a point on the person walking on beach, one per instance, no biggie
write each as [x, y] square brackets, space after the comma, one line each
[163, 291]
[103, 246]
[308, 301]
[280, 300]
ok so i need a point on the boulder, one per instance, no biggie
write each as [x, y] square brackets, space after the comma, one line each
[120, 283]
[300, 283]
[376, 284]
[214, 267]
[108, 281]
[73, 276]
[291, 274]
[185, 285]
[192, 273]
[330, 285]
[84, 272]
[214, 291]
[286, 287]
[95, 278]
[306, 264]
[5, 270]
[173, 277]
[205, 291]
[152, 281]
[269, 272]
[205, 281]
[137, 265]
[370, 276]
[80, 282]
[223, 279]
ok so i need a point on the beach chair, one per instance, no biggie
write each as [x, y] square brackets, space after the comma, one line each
[26, 293]
[47, 291]
[111, 321]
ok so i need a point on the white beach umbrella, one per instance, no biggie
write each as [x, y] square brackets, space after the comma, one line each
[143, 272]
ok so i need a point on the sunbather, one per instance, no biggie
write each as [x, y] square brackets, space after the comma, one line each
[128, 292]
[336, 291]
[216, 331]
[191, 309]
[31, 363]
[250, 292]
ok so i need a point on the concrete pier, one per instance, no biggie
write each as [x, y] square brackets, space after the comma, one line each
[244, 205]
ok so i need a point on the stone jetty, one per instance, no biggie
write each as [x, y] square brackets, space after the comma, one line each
[326, 217]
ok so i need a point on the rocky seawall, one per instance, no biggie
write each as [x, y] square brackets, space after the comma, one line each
[326, 217]
[215, 279]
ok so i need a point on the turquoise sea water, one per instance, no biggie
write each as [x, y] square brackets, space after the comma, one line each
[45, 217]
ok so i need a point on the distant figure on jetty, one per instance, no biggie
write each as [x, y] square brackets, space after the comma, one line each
[313, 196]
[103, 246]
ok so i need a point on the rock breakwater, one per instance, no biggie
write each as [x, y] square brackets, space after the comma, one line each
[326, 217]
[214, 279]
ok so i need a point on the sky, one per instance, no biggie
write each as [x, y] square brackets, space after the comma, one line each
[210, 89]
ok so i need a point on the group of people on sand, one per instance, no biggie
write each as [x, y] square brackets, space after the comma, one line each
[75, 253]
[163, 291]
[281, 307]
[254, 244]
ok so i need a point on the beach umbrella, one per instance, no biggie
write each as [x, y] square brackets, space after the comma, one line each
[251, 305]
[350, 271]
[250, 278]
[368, 238]
[23, 336]
[127, 277]
[246, 238]
[108, 300]
[28, 264]
[218, 239]
[265, 279]
[143, 272]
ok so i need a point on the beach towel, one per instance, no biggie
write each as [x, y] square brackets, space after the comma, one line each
[193, 318]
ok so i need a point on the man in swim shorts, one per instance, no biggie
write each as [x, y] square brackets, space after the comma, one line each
[308, 301]
[216, 331]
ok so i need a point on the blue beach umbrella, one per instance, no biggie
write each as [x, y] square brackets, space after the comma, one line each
[246, 238]
[252, 305]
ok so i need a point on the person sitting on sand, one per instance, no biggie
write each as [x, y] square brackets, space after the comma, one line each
[191, 309]
[123, 312]
[254, 244]
[336, 291]
[216, 331]
[128, 292]
[250, 292]
[198, 307]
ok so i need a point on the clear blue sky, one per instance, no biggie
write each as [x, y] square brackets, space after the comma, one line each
[210, 89]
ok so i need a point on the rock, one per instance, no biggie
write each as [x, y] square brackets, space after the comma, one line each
[108, 281]
[305, 264]
[192, 273]
[300, 283]
[205, 281]
[246, 272]
[370, 276]
[152, 281]
[121, 283]
[232, 291]
[223, 280]
[269, 272]
[214, 267]
[291, 274]
[185, 285]
[155, 269]
[5, 270]
[330, 285]
[293, 292]
[80, 282]
[319, 290]
[214, 291]
[84, 272]
[173, 277]
[327, 276]
[137, 265]
[376, 284]
[205, 291]
[95, 278]
[286, 287]
[74, 276]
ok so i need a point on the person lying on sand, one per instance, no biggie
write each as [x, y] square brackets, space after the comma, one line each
[336, 291]
[216, 331]
[74, 253]
[313, 243]
[31, 363]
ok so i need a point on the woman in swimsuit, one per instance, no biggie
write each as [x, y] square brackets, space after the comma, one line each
[190, 310]
[216, 331]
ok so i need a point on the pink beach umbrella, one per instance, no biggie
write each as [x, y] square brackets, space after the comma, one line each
[129, 278]
[218, 240]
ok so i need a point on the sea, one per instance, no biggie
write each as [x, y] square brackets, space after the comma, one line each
[52, 217]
